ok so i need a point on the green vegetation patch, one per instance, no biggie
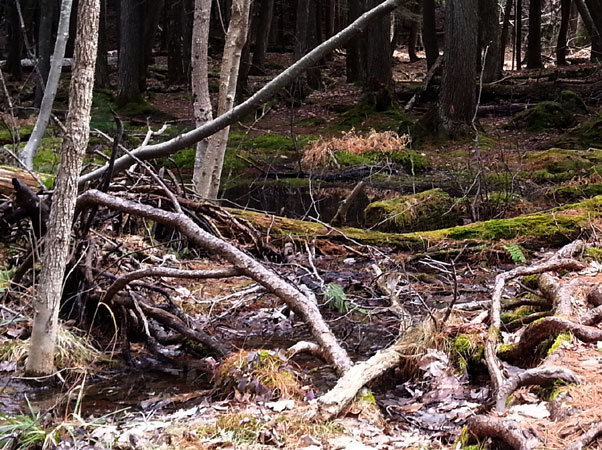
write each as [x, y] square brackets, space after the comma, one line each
[572, 193]
[7, 136]
[557, 160]
[543, 116]
[586, 134]
[467, 351]
[572, 102]
[427, 210]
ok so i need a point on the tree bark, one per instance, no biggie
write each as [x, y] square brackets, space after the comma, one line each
[200, 90]
[429, 32]
[505, 31]
[355, 61]
[263, 35]
[379, 73]
[101, 77]
[54, 77]
[534, 40]
[15, 37]
[561, 45]
[490, 39]
[264, 94]
[46, 21]
[594, 33]
[208, 186]
[130, 53]
[175, 57]
[518, 38]
[458, 84]
[73, 150]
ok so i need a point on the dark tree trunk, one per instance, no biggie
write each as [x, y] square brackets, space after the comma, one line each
[379, 75]
[595, 10]
[330, 18]
[242, 85]
[314, 38]
[48, 9]
[429, 32]
[263, 35]
[152, 16]
[72, 27]
[592, 30]
[175, 54]
[187, 36]
[489, 34]
[412, 40]
[534, 40]
[561, 45]
[518, 43]
[458, 83]
[505, 30]
[355, 61]
[15, 37]
[130, 43]
[101, 76]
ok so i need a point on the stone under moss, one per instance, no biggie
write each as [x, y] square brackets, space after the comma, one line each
[543, 116]
[586, 134]
[572, 102]
[427, 210]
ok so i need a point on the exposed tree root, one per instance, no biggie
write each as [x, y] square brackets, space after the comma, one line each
[503, 429]
[519, 323]
[307, 347]
[586, 438]
[170, 272]
[538, 376]
[543, 329]
[591, 317]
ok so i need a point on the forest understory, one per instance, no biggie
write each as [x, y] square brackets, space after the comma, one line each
[460, 277]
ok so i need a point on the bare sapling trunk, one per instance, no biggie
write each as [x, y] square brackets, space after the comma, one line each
[208, 185]
[200, 88]
[56, 67]
[56, 248]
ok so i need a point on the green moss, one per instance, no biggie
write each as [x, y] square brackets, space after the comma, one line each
[347, 159]
[572, 193]
[531, 281]
[572, 102]
[543, 176]
[557, 160]
[47, 158]
[427, 210]
[506, 349]
[543, 116]
[594, 253]
[586, 134]
[413, 162]
[6, 137]
[311, 122]
[517, 314]
[365, 396]
[558, 341]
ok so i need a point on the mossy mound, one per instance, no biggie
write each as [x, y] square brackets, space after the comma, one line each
[572, 193]
[556, 160]
[587, 134]
[427, 210]
[572, 102]
[543, 116]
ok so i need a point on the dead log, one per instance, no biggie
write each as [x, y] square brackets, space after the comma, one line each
[297, 301]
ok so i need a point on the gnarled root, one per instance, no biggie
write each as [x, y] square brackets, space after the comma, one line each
[503, 429]
[586, 438]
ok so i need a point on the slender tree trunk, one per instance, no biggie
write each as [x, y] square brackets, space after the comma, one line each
[54, 77]
[534, 40]
[101, 78]
[235, 40]
[379, 72]
[489, 24]
[175, 61]
[561, 45]
[505, 31]
[412, 40]
[355, 60]
[200, 91]
[47, 13]
[458, 84]
[586, 10]
[429, 32]
[56, 247]
[15, 37]
[263, 36]
[152, 16]
[518, 19]
[313, 39]
[330, 18]
[130, 52]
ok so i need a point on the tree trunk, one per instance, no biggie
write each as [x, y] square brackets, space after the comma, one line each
[175, 62]
[263, 35]
[300, 87]
[130, 53]
[283, 80]
[412, 40]
[15, 37]
[54, 77]
[534, 40]
[489, 16]
[330, 8]
[200, 90]
[355, 61]
[518, 19]
[505, 31]
[208, 187]
[594, 29]
[47, 13]
[379, 74]
[458, 83]
[152, 16]
[429, 32]
[56, 248]
[561, 45]
[313, 39]
[101, 77]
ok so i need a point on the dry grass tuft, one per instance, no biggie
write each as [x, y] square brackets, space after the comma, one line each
[322, 151]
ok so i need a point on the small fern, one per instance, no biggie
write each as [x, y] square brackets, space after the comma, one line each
[516, 253]
[336, 298]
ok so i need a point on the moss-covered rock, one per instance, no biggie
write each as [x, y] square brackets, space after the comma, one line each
[543, 116]
[586, 134]
[557, 160]
[427, 210]
[572, 193]
[572, 102]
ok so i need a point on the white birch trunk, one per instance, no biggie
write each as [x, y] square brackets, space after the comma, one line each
[200, 91]
[235, 41]
[56, 247]
[54, 76]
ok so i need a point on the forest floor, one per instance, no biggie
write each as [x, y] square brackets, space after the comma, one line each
[513, 170]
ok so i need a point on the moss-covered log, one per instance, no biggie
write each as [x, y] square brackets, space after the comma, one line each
[552, 227]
